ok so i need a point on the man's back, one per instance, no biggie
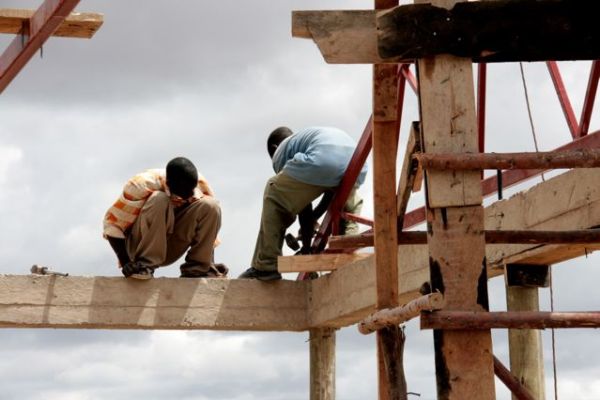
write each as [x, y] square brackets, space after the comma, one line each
[317, 156]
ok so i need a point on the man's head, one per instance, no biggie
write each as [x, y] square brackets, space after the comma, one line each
[182, 177]
[276, 137]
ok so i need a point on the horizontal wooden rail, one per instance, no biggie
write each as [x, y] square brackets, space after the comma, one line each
[491, 237]
[581, 158]
[401, 314]
[469, 320]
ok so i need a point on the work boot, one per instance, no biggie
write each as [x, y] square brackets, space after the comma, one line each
[253, 273]
[137, 270]
[191, 270]
[144, 274]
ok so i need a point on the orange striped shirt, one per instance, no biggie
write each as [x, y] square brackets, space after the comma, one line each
[123, 213]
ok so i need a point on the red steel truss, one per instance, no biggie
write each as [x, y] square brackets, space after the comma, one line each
[578, 129]
[33, 35]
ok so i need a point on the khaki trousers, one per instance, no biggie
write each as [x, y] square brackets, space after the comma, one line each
[283, 199]
[162, 233]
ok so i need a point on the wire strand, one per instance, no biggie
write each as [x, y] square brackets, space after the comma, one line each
[535, 142]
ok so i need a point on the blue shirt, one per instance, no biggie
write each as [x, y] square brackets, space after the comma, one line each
[317, 156]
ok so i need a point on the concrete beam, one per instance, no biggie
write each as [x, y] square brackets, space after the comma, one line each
[163, 303]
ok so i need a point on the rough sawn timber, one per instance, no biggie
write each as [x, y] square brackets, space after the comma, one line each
[163, 303]
[76, 25]
[568, 201]
[316, 262]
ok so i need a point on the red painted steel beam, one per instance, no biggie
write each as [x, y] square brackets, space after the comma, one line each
[563, 98]
[42, 24]
[357, 218]
[511, 177]
[410, 78]
[590, 97]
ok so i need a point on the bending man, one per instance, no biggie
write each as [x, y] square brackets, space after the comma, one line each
[308, 164]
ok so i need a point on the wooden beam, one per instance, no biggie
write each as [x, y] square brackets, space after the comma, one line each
[492, 31]
[386, 125]
[162, 303]
[401, 314]
[322, 364]
[316, 262]
[567, 201]
[455, 224]
[75, 25]
[582, 158]
[45, 20]
[584, 236]
[343, 37]
[477, 320]
[519, 392]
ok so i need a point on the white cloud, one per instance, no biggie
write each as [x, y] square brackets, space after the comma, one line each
[9, 156]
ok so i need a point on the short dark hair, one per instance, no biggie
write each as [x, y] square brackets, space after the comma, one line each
[182, 177]
[276, 137]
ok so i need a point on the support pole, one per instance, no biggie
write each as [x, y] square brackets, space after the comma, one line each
[455, 216]
[525, 346]
[322, 364]
[390, 341]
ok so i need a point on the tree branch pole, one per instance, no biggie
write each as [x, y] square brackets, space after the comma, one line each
[473, 320]
[581, 158]
[583, 236]
[399, 315]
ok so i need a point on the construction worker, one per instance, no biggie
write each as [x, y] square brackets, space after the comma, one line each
[308, 164]
[159, 216]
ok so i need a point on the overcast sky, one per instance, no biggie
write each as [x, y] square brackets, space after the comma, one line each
[209, 80]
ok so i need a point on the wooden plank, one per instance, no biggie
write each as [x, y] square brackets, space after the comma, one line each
[567, 201]
[408, 173]
[477, 320]
[322, 364]
[316, 262]
[525, 30]
[76, 25]
[161, 303]
[343, 37]
[581, 158]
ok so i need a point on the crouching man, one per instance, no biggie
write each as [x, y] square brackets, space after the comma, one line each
[159, 216]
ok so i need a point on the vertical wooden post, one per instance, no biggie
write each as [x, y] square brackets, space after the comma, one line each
[322, 364]
[525, 345]
[464, 361]
[385, 148]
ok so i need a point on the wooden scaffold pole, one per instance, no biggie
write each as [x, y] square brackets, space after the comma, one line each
[464, 361]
